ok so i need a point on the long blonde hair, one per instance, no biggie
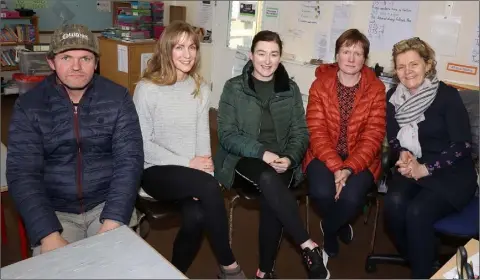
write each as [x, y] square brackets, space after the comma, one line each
[160, 69]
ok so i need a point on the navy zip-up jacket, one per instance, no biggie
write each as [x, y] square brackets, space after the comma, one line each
[67, 161]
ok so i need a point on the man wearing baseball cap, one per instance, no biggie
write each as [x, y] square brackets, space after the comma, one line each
[75, 151]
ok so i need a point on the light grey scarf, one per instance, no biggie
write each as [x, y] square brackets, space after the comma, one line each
[409, 111]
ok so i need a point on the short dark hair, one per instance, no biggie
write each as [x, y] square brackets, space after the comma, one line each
[352, 37]
[267, 36]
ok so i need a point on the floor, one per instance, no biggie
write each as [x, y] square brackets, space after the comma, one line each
[349, 263]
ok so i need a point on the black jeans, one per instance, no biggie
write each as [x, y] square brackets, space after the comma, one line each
[410, 213]
[278, 208]
[179, 183]
[322, 191]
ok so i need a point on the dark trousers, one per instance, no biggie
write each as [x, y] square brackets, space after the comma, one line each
[179, 183]
[410, 213]
[278, 208]
[336, 214]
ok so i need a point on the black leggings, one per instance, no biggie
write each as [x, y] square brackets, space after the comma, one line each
[410, 213]
[278, 208]
[179, 183]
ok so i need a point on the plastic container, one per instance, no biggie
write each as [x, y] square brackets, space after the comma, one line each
[33, 63]
[26, 82]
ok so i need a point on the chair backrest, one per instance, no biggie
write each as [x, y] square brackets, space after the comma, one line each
[3, 163]
[470, 99]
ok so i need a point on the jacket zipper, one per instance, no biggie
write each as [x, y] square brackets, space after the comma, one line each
[79, 157]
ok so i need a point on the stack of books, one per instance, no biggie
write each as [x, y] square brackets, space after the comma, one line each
[21, 33]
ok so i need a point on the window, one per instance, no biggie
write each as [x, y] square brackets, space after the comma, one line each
[243, 26]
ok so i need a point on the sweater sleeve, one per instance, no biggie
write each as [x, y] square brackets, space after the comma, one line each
[458, 126]
[203, 126]
[154, 153]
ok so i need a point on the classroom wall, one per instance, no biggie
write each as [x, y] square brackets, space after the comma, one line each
[287, 24]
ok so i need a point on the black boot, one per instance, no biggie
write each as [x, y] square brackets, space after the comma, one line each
[315, 261]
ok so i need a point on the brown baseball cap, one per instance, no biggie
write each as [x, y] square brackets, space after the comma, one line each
[73, 37]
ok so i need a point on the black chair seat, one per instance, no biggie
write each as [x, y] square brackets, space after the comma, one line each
[154, 209]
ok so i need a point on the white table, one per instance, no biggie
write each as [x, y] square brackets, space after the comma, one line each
[116, 254]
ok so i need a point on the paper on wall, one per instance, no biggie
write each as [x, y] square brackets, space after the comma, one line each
[247, 11]
[271, 16]
[204, 15]
[391, 22]
[239, 61]
[444, 34]
[340, 23]
[144, 58]
[474, 57]
[320, 46]
[310, 12]
[122, 58]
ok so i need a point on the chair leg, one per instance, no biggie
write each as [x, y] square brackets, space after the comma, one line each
[375, 222]
[367, 215]
[307, 214]
[23, 239]
[4, 226]
[231, 208]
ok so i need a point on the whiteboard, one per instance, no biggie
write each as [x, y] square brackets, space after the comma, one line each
[299, 36]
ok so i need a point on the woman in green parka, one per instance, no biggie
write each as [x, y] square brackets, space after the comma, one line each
[263, 137]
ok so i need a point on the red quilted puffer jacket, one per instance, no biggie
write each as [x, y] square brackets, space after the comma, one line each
[366, 127]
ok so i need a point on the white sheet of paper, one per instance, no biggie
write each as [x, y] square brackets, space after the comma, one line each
[310, 12]
[204, 15]
[320, 46]
[271, 16]
[452, 273]
[144, 58]
[240, 60]
[340, 23]
[122, 58]
[391, 22]
[474, 57]
[444, 34]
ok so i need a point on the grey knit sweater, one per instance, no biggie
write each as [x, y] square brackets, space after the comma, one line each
[175, 125]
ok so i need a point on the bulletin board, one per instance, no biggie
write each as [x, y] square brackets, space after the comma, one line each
[310, 28]
[52, 13]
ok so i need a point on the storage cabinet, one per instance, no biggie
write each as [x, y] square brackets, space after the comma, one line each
[109, 60]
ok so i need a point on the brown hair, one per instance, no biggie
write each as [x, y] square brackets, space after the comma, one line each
[267, 36]
[352, 37]
[160, 69]
[422, 48]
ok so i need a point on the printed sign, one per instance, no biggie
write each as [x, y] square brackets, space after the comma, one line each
[460, 68]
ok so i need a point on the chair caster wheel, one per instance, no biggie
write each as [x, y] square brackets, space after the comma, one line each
[370, 267]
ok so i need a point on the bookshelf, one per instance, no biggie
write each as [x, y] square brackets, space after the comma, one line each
[11, 21]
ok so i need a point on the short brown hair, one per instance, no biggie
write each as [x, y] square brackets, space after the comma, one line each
[267, 36]
[351, 37]
[422, 48]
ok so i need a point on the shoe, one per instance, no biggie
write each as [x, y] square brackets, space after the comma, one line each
[315, 260]
[269, 275]
[236, 273]
[345, 234]
[330, 244]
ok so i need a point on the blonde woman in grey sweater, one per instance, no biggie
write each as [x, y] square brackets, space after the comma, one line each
[172, 104]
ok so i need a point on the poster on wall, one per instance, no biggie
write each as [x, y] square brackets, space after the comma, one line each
[391, 22]
[444, 34]
[474, 56]
[247, 11]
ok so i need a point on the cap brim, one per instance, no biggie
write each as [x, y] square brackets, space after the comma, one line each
[75, 47]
